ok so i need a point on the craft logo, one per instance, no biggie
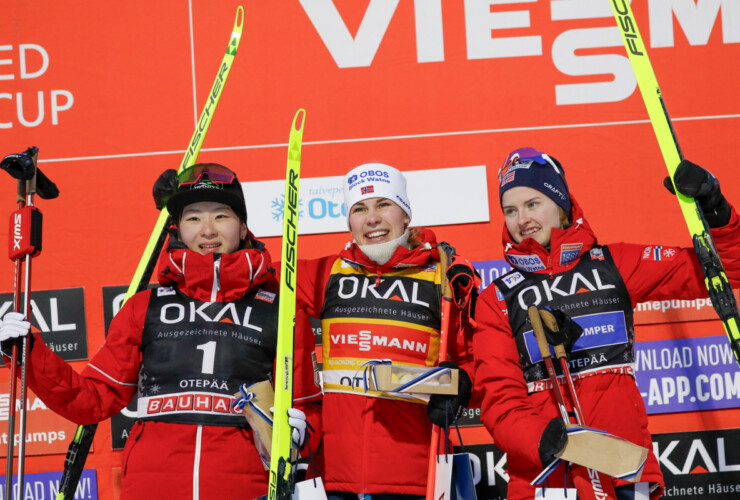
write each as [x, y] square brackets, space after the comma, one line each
[569, 252]
[367, 190]
[60, 317]
[699, 465]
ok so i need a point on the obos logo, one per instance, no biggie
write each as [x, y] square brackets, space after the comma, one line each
[369, 176]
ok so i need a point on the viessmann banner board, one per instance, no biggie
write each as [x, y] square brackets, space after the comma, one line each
[111, 92]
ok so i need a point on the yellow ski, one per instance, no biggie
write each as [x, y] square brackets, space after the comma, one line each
[281, 477]
[715, 278]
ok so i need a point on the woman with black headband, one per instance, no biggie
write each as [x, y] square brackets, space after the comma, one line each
[186, 348]
[558, 263]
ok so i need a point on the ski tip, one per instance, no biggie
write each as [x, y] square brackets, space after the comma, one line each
[298, 120]
[239, 21]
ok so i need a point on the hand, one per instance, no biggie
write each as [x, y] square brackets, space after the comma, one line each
[568, 330]
[552, 441]
[695, 182]
[297, 420]
[164, 187]
[463, 279]
[445, 409]
[13, 326]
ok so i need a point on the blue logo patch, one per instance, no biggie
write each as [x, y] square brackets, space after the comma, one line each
[599, 330]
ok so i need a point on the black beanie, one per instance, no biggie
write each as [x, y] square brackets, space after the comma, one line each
[534, 169]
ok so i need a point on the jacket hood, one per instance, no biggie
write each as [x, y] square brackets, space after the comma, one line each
[238, 272]
[566, 246]
[423, 241]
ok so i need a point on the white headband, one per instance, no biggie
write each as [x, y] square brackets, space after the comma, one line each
[375, 180]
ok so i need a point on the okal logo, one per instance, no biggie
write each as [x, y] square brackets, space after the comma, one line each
[352, 286]
[563, 286]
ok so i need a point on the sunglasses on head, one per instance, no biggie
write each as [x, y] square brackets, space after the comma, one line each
[216, 174]
[527, 156]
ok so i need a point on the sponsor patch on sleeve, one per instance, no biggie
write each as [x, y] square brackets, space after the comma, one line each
[596, 254]
[266, 296]
[163, 291]
[659, 253]
[569, 253]
[529, 263]
[511, 281]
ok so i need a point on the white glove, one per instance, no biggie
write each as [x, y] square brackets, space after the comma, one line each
[14, 325]
[297, 420]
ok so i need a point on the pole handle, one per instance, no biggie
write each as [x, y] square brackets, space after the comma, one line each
[539, 332]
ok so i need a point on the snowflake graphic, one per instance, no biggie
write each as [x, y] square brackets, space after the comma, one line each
[278, 207]
[669, 252]
[539, 374]
[155, 389]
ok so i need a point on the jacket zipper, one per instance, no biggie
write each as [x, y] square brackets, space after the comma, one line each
[216, 279]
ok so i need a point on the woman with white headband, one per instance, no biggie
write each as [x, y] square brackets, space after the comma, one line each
[379, 298]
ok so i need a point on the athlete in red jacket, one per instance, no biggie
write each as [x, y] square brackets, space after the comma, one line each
[185, 348]
[379, 298]
[558, 263]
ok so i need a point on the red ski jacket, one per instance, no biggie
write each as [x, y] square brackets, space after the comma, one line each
[516, 415]
[371, 442]
[163, 459]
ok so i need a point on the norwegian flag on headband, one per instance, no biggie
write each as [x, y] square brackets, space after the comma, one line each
[366, 190]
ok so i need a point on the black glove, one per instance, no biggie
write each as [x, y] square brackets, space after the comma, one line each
[164, 187]
[464, 281]
[552, 441]
[447, 407]
[694, 181]
[568, 330]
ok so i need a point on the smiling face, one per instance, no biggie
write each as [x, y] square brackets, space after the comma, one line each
[209, 227]
[376, 220]
[530, 214]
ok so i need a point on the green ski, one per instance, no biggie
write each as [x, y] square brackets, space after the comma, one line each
[715, 278]
[281, 477]
[80, 445]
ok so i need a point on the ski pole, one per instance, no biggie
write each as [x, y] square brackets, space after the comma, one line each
[443, 334]
[25, 243]
[715, 278]
[78, 449]
[281, 473]
[549, 319]
[588, 482]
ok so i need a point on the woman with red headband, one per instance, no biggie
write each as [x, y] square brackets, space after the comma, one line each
[185, 349]
[554, 254]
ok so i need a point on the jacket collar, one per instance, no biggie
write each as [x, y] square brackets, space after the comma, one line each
[566, 247]
[401, 258]
[223, 277]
